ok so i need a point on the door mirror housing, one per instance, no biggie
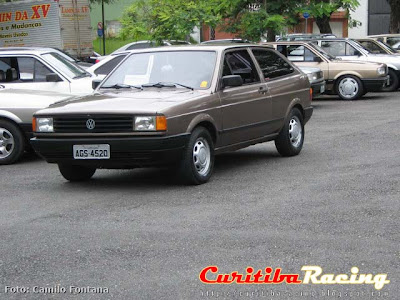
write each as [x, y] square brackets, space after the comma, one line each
[317, 59]
[232, 81]
[95, 83]
[53, 77]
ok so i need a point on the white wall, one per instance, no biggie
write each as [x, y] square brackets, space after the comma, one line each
[361, 14]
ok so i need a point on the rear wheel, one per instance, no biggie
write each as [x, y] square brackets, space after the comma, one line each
[393, 82]
[76, 173]
[12, 143]
[291, 138]
[198, 158]
[349, 87]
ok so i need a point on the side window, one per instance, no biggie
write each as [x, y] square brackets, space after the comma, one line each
[374, 48]
[271, 64]
[240, 63]
[334, 48]
[109, 66]
[32, 70]
[350, 50]
[8, 69]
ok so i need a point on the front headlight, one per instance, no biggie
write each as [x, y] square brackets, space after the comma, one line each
[312, 77]
[150, 123]
[381, 70]
[43, 125]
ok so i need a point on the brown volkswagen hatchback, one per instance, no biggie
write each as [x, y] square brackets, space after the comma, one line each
[179, 106]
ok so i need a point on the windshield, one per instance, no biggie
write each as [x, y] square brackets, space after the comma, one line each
[64, 65]
[192, 69]
[322, 51]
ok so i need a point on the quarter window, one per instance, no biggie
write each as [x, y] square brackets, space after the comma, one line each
[240, 63]
[271, 64]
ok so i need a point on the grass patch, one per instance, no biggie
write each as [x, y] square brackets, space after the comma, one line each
[112, 44]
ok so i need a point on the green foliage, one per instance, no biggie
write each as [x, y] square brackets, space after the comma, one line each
[321, 8]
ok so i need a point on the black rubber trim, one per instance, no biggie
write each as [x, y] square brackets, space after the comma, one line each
[250, 125]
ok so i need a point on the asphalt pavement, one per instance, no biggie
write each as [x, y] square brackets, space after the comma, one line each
[139, 234]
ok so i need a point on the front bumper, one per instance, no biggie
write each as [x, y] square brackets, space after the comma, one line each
[318, 87]
[125, 152]
[375, 84]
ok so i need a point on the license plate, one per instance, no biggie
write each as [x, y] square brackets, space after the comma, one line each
[322, 89]
[91, 151]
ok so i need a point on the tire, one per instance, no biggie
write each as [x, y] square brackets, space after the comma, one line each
[349, 87]
[76, 173]
[291, 137]
[393, 82]
[197, 162]
[12, 143]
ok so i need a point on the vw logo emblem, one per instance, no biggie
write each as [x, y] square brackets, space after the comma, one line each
[90, 124]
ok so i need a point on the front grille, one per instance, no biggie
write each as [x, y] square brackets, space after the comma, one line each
[102, 124]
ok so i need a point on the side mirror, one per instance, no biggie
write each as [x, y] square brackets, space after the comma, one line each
[232, 80]
[53, 77]
[95, 83]
[317, 59]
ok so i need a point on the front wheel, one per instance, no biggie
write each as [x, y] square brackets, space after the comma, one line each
[76, 173]
[291, 138]
[393, 84]
[12, 143]
[349, 87]
[198, 158]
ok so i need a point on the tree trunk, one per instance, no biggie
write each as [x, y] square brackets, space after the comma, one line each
[271, 35]
[394, 16]
[323, 24]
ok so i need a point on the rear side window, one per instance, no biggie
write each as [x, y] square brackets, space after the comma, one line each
[296, 52]
[240, 63]
[109, 66]
[271, 64]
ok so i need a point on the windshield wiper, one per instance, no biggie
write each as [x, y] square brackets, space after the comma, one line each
[167, 84]
[121, 86]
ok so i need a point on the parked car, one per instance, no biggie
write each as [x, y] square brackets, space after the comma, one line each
[144, 45]
[392, 40]
[316, 78]
[84, 65]
[42, 69]
[348, 49]
[105, 66]
[377, 47]
[16, 111]
[178, 105]
[304, 36]
[226, 41]
[350, 80]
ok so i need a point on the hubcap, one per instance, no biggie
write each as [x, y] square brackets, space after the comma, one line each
[6, 143]
[348, 87]
[295, 132]
[201, 156]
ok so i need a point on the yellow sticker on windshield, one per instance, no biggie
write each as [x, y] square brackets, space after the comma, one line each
[203, 84]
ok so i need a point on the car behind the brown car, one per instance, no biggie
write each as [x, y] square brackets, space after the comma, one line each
[178, 105]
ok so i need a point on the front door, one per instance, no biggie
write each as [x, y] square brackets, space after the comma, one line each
[246, 109]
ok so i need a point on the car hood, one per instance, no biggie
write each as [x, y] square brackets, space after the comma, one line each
[149, 100]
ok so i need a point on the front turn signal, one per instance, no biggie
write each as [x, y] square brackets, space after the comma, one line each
[311, 94]
[33, 124]
[161, 123]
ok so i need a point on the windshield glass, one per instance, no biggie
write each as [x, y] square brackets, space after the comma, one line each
[322, 51]
[189, 68]
[64, 65]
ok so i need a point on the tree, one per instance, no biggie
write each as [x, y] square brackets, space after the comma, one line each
[322, 10]
[394, 16]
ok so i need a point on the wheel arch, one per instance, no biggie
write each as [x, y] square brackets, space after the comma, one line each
[207, 122]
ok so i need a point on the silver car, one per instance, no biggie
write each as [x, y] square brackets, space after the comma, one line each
[16, 110]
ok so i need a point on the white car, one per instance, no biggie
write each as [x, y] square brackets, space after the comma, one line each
[16, 110]
[42, 69]
[105, 66]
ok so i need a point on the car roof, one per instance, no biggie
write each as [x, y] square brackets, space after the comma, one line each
[200, 47]
[388, 35]
[26, 50]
